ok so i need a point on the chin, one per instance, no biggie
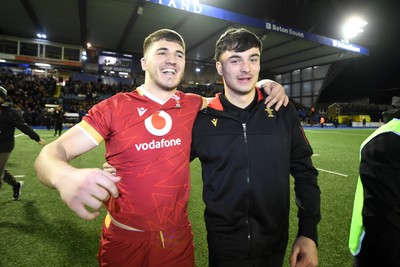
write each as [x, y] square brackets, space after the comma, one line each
[169, 87]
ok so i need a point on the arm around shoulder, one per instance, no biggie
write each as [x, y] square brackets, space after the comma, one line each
[276, 93]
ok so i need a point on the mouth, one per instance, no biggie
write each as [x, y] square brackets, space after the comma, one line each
[168, 71]
[245, 79]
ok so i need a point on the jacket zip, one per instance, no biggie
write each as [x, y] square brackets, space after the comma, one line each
[246, 151]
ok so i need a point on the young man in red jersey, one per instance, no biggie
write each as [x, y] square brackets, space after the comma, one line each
[147, 134]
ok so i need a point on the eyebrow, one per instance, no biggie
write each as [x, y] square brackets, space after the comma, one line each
[255, 55]
[166, 49]
[236, 56]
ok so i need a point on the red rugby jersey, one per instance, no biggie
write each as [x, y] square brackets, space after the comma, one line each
[149, 145]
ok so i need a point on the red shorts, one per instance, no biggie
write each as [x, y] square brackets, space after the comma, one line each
[120, 247]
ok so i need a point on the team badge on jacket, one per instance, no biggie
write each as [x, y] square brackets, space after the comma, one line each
[270, 112]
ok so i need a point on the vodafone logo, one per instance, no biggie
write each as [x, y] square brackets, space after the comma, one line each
[159, 123]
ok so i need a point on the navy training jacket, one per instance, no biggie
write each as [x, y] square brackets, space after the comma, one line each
[246, 165]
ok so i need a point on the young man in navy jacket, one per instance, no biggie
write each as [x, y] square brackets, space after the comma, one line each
[247, 153]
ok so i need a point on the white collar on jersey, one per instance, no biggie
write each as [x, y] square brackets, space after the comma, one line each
[150, 95]
[156, 99]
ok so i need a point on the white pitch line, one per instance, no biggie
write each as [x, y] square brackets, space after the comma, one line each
[19, 176]
[340, 174]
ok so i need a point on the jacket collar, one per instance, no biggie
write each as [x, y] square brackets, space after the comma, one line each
[217, 104]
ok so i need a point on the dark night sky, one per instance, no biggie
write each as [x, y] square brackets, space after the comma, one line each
[378, 75]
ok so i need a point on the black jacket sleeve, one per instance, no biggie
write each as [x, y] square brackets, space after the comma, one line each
[305, 183]
[20, 124]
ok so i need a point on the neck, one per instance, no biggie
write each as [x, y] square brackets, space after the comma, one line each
[241, 100]
[162, 93]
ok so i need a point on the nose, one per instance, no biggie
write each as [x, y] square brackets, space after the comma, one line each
[171, 58]
[245, 66]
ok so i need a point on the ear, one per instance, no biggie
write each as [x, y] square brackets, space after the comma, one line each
[143, 63]
[218, 66]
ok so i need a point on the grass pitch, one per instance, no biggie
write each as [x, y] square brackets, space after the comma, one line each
[39, 230]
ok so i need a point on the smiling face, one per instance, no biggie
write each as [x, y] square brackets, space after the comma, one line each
[237, 56]
[239, 71]
[164, 64]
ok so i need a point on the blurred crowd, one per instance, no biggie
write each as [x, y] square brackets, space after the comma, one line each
[30, 94]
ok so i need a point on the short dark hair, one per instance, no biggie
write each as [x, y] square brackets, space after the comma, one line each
[237, 40]
[163, 34]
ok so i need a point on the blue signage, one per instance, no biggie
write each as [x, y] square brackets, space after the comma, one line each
[316, 38]
[194, 6]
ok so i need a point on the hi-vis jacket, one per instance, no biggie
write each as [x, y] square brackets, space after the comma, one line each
[379, 181]
[247, 156]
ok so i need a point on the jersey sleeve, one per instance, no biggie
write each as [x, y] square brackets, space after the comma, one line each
[198, 101]
[97, 122]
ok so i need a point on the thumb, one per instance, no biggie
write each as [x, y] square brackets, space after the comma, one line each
[113, 178]
[108, 181]
[114, 190]
[294, 257]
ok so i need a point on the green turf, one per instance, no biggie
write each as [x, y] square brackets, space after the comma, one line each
[39, 230]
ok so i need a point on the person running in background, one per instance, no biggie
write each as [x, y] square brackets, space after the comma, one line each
[147, 135]
[9, 120]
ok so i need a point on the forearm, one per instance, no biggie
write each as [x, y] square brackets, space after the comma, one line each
[83, 189]
[26, 129]
[308, 201]
[52, 165]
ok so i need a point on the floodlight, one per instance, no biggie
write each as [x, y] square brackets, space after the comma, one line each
[353, 27]
[41, 35]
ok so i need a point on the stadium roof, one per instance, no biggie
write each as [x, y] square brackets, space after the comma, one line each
[122, 25]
